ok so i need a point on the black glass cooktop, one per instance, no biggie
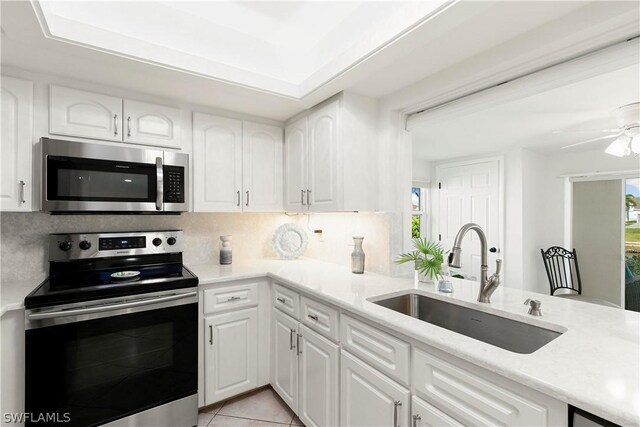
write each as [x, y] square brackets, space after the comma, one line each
[86, 280]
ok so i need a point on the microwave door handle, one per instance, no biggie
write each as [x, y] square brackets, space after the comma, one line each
[159, 184]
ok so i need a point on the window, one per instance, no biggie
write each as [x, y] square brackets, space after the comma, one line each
[418, 210]
[632, 244]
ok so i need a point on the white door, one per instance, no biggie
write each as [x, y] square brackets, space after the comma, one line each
[295, 166]
[368, 398]
[231, 354]
[16, 145]
[284, 359]
[217, 164]
[84, 114]
[319, 380]
[152, 124]
[322, 155]
[469, 193]
[262, 158]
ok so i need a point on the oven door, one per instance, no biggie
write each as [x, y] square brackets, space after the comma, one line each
[94, 363]
[80, 177]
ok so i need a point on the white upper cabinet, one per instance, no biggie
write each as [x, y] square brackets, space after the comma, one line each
[152, 124]
[84, 114]
[237, 165]
[295, 155]
[330, 157]
[16, 145]
[217, 164]
[262, 167]
[323, 160]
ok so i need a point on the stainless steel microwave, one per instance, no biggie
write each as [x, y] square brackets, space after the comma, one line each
[85, 177]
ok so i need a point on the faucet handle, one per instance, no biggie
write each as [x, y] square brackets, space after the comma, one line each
[498, 266]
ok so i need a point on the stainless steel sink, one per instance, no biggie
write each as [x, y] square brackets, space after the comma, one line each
[505, 333]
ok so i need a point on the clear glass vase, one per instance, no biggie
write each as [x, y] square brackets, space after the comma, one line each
[357, 256]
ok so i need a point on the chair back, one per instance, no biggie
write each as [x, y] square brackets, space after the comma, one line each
[562, 269]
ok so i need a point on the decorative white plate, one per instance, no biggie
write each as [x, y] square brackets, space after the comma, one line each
[124, 275]
[290, 241]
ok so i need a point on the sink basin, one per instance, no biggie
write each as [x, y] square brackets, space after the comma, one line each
[505, 333]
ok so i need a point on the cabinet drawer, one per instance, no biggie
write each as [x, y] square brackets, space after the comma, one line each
[473, 396]
[319, 317]
[387, 353]
[286, 300]
[425, 415]
[230, 297]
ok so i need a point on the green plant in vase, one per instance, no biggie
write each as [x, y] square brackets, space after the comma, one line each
[428, 258]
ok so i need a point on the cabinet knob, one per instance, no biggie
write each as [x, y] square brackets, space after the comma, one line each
[21, 197]
[115, 125]
[395, 413]
[416, 418]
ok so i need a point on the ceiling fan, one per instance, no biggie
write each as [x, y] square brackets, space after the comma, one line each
[627, 134]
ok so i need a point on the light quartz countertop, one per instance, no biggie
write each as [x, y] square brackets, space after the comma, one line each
[593, 365]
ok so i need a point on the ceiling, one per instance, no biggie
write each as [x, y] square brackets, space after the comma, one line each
[544, 122]
[246, 57]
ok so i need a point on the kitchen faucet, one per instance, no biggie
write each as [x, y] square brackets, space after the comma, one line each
[487, 285]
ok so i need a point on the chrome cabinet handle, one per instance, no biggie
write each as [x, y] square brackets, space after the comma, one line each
[395, 413]
[302, 197]
[21, 196]
[238, 203]
[211, 334]
[280, 300]
[247, 204]
[313, 317]
[234, 298]
[129, 126]
[291, 332]
[159, 184]
[298, 349]
[115, 125]
[308, 197]
[416, 418]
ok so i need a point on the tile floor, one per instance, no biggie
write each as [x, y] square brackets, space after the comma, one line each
[260, 408]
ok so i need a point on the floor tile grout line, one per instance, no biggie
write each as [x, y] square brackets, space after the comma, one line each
[251, 419]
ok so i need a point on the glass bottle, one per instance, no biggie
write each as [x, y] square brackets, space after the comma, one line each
[225, 250]
[357, 256]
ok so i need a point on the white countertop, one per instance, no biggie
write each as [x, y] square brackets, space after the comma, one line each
[594, 365]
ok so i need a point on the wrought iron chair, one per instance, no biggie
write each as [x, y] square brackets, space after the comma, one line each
[562, 269]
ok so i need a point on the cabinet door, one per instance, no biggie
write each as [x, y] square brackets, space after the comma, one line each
[319, 379]
[295, 166]
[231, 354]
[152, 124]
[84, 114]
[284, 359]
[217, 164]
[426, 415]
[323, 159]
[16, 146]
[369, 398]
[262, 159]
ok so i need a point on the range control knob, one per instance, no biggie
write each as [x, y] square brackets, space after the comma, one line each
[65, 246]
[171, 240]
[157, 241]
[84, 245]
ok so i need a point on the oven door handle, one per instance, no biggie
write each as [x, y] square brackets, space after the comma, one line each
[109, 307]
[159, 184]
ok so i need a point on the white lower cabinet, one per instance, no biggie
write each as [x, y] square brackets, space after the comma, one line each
[425, 415]
[305, 371]
[231, 354]
[369, 398]
[473, 396]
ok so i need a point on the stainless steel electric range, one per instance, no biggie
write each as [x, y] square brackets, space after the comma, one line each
[111, 335]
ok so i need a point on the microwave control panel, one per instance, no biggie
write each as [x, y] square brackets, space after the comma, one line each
[173, 184]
